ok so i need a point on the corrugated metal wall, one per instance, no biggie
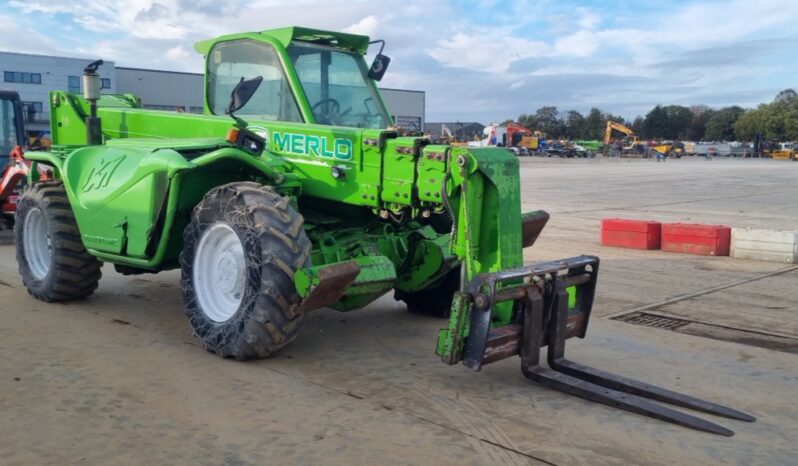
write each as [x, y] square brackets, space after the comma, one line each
[162, 90]
[406, 107]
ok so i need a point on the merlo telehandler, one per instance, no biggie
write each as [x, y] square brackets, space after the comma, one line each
[293, 192]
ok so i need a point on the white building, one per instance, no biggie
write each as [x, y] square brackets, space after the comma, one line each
[163, 90]
[34, 76]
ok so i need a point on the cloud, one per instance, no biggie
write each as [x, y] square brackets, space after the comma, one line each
[178, 52]
[210, 7]
[35, 42]
[581, 44]
[153, 12]
[733, 54]
[486, 50]
[588, 19]
[368, 26]
[477, 59]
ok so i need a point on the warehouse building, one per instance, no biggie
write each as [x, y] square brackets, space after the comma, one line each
[34, 76]
[163, 90]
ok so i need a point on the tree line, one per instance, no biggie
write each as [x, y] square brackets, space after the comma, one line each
[777, 120]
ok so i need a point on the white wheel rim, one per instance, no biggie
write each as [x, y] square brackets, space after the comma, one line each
[220, 272]
[36, 243]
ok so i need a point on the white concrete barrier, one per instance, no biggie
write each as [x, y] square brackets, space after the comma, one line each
[765, 245]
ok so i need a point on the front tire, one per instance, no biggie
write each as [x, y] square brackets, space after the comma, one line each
[52, 260]
[240, 253]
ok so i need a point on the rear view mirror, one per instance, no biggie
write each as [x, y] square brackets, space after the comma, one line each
[380, 63]
[243, 91]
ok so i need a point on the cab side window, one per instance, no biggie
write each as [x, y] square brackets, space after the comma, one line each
[230, 61]
[8, 129]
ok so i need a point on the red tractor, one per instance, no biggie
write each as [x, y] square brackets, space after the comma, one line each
[14, 167]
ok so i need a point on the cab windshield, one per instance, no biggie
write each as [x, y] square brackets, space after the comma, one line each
[8, 127]
[337, 87]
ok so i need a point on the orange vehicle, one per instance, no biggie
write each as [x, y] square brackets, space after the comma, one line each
[15, 168]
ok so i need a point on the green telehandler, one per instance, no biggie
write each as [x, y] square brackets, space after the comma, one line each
[293, 192]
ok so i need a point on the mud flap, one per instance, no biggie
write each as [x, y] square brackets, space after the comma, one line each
[324, 286]
[344, 285]
[532, 224]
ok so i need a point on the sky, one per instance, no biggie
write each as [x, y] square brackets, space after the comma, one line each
[477, 60]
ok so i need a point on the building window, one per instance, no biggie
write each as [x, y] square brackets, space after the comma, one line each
[105, 83]
[20, 77]
[73, 84]
[194, 109]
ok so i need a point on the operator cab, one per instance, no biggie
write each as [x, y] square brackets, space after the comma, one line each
[336, 85]
[313, 79]
[11, 132]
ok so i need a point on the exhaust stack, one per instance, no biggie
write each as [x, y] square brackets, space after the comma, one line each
[91, 92]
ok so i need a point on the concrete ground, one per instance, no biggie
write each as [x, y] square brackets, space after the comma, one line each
[118, 379]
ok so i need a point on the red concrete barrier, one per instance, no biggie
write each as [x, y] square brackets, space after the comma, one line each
[703, 240]
[634, 234]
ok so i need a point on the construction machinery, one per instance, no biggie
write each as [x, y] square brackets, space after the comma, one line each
[630, 147]
[292, 192]
[530, 143]
[505, 135]
[516, 134]
[615, 126]
[785, 151]
[593, 145]
[667, 149]
[446, 134]
[14, 167]
[450, 138]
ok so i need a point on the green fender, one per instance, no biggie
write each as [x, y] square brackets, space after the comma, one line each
[131, 198]
[48, 158]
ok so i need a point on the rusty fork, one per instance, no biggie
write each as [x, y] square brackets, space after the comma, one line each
[547, 320]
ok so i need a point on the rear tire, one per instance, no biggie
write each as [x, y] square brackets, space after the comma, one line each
[52, 260]
[240, 253]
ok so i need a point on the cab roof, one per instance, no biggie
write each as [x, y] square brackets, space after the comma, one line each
[353, 42]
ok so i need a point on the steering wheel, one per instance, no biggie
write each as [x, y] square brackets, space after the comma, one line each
[335, 105]
[333, 109]
[334, 114]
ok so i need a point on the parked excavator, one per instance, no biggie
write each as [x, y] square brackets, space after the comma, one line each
[632, 149]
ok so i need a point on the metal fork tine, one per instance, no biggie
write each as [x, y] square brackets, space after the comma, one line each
[635, 387]
[595, 385]
[625, 401]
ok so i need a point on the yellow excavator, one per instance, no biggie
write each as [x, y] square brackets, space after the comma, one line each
[635, 149]
[627, 131]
